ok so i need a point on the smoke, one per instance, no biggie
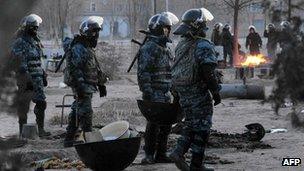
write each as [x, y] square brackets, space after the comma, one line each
[12, 11]
[288, 67]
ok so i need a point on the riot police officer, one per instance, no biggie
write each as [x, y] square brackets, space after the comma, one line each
[31, 78]
[154, 79]
[194, 78]
[83, 76]
[253, 41]
[216, 34]
[227, 42]
[272, 35]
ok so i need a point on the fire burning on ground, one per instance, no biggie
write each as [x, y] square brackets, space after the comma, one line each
[254, 60]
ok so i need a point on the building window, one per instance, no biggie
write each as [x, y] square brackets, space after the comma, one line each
[104, 2]
[93, 7]
[106, 31]
[256, 8]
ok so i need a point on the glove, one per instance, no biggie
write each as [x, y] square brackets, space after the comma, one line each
[102, 90]
[29, 86]
[80, 90]
[175, 96]
[216, 98]
[45, 82]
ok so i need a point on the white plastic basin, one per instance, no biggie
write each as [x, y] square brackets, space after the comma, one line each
[116, 130]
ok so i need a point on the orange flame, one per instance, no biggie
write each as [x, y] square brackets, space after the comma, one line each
[254, 60]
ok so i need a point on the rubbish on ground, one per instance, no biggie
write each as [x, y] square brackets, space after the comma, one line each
[255, 131]
[278, 130]
[56, 163]
[62, 85]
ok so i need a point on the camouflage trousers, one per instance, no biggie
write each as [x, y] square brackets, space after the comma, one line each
[197, 107]
[271, 52]
[80, 115]
[156, 136]
[24, 98]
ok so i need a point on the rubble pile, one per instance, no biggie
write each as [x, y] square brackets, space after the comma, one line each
[56, 163]
[237, 141]
[224, 140]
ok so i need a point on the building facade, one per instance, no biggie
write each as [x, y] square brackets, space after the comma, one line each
[123, 18]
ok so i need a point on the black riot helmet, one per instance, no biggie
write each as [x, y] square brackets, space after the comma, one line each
[91, 24]
[31, 20]
[158, 22]
[285, 25]
[31, 23]
[194, 22]
[217, 26]
[90, 28]
[271, 26]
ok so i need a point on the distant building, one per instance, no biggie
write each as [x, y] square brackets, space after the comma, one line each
[123, 18]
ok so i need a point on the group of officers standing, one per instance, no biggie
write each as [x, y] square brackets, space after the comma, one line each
[188, 75]
[276, 35]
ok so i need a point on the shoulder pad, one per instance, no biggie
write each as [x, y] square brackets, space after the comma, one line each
[205, 43]
[149, 46]
[205, 53]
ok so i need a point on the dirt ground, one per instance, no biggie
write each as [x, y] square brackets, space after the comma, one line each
[229, 117]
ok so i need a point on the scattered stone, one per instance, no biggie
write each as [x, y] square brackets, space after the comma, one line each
[56, 163]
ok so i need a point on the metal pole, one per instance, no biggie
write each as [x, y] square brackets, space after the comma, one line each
[154, 7]
[289, 9]
[167, 5]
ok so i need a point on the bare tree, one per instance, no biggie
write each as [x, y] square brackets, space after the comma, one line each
[237, 6]
[292, 6]
[58, 15]
[287, 8]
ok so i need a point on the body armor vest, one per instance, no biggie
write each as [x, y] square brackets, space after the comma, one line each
[161, 73]
[33, 57]
[159, 68]
[184, 67]
[90, 69]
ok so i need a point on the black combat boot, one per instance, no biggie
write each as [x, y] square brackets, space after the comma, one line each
[177, 156]
[39, 111]
[161, 156]
[197, 163]
[69, 139]
[22, 120]
[150, 143]
[41, 131]
[20, 129]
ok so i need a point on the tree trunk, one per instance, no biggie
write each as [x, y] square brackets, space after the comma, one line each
[289, 9]
[235, 34]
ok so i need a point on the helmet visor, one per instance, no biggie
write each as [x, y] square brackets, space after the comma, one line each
[205, 15]
[32, 20]
[182, 29]
[172, 17]
[92, 20]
